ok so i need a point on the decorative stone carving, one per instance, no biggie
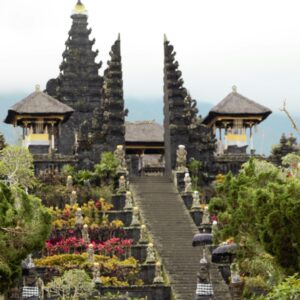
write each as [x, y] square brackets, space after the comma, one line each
[27, 263]
[96, 273]
[85, 234]
[78, 217]
[235, 273]
[206, 216]
[204, 286]
[214, 228]
[150, 254]
[119, 154]
[181, 158]
[196, 201]
[135, 217]
[91, 253]
[122, 185]
[128, 201]
[73, 198]
[187, 183]
[158, 279]
[143, 234]
[69, 183]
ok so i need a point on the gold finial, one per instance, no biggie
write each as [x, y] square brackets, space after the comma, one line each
[234, 89]
[79, 8]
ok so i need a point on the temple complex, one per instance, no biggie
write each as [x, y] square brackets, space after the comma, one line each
[82, 114]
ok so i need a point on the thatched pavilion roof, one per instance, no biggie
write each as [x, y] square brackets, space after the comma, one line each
[144, 131]
[235, 105]
[38, 103]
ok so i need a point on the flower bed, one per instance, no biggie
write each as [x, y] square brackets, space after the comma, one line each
[114, 272]
[113, 246]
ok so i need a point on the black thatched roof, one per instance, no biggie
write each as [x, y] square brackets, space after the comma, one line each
[144, 131]
[38, 103]
[235, 104]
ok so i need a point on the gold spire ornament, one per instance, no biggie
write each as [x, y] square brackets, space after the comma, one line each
[79, 9]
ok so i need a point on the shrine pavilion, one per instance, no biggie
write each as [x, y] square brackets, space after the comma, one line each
[40, 117]
[232, 117]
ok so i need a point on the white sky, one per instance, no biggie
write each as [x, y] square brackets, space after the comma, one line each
[252, 44]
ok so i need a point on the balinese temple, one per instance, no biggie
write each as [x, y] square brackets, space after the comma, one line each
[233, 121]
[40, 116]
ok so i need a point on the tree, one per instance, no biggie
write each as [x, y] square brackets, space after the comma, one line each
[74, 284]
[262, 204]
[293, 122]
[289, 289]
[2, 142]
[107, 168]
[16, 166]
[24, 226]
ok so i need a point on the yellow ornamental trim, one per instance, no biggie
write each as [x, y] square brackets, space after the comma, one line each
[236, 137]
[38, 137]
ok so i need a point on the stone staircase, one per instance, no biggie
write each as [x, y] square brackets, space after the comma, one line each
[172, 230]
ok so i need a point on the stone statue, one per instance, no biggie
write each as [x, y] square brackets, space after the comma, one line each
[187, 183]
[69, 183]
[181, 158]
[78, 217]
[119, 154]
[158, 279]
[41, 286]
[135, 217]
[96, 273]
[128, 201]
[122, 185]
[150, 254]
[143, 234]
[196, 200]
[85, 234]
[214, 228]
[205, 217]
[73, 198]
[90, 251]
[235, 273]
[27, 263]
[203, 274]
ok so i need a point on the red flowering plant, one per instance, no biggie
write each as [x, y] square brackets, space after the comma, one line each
[73, 245]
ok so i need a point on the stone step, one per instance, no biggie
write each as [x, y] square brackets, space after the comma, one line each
[172, 229]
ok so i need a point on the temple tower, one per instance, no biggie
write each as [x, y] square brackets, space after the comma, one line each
[78, 84]
[182, 124]
[113, 112]
[175, 125]
[106, 127]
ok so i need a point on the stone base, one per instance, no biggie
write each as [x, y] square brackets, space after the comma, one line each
[188, 199]
[236, 290]
[180, 181]
[118, 201]
[205, 228]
